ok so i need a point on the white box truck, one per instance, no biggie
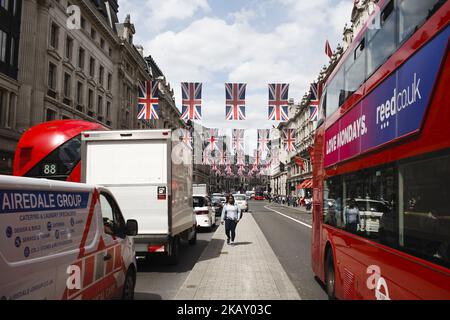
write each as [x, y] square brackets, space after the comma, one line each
[200, 189]
[138, 169]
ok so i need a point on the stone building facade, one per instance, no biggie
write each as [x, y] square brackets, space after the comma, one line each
[90, 71]
[10, 22]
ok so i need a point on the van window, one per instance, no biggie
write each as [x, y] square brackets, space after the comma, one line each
[200, 202]
[113, 221]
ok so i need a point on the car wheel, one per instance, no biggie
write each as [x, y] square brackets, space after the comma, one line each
[330, 277]
[128, 286]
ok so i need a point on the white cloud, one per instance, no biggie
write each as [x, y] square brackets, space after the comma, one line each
[156, 14]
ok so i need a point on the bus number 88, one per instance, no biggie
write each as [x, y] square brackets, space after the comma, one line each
[49, 169]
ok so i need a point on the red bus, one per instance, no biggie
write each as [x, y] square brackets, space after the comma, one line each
[381, 187]
[52, 150]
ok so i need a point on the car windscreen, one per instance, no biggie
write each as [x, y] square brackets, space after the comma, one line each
[215, 200]
[240, 197]
[199, 202]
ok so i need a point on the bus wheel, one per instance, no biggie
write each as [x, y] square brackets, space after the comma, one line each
[330, 278]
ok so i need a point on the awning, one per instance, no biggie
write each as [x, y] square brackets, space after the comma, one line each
[305, 184]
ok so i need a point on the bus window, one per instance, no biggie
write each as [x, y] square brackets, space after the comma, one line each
[381, 41]
[335, 93]
[355, 69]
[59, 164]
[425, 209]
[364, 203]
[412, 13]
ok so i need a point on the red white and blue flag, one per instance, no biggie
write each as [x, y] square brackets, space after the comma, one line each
[186, 138]
[240, 158]
[212, 139]
[235, 101]
[148, 100]
[238, 142]
[263, 139]
[288, 140]
[191, 108]
[279, 102]
[314, 101]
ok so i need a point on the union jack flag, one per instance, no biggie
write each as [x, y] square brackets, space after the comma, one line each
[186, 138]
[314, 101]
[148, 100]
[263, 139]
[212, 139]
[224, 159]
[238, 141]
[191, 101]
[289, 140]
[278, 102]
[235, 101]
[240, 158]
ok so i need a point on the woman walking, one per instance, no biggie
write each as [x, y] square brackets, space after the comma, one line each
[231, 214]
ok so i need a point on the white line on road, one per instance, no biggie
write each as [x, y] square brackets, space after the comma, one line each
[302, 223]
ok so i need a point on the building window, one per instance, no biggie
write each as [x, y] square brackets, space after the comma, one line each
[3, 38]
[109, 81]
[92, 67]
[81, 54]
[93, 33]
[91, 99]
[67, 85]
[69, 48]
[108, 109]
[52, 76]
[102, 43]
[4, 4]
[12, 57]
[50, 115]
[54, 34]
[110, 52]
[101, 72]
[79, 93]
[100, 105]
[83, 23]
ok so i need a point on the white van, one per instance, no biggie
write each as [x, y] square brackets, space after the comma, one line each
[63, 240]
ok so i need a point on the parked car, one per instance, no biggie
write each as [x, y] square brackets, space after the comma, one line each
[259, 197]
[64, 240]
[204, 212]
[217, 204]
[241, 201]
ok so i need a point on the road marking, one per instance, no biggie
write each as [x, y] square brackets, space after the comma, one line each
[302, 223]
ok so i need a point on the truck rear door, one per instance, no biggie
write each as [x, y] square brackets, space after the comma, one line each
[136, 172]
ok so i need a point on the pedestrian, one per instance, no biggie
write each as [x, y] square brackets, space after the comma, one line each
[231, 214]
[352, 218]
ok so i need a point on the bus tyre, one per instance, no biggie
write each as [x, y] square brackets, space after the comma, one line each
[128, 287]
[173, 251]
[330, 277]
[193, 240]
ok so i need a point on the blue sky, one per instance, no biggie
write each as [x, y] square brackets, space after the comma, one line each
[252, 41]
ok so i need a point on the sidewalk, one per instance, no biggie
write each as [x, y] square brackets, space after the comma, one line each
[246, 271]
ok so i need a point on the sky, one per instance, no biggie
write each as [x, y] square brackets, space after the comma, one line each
[247, 41]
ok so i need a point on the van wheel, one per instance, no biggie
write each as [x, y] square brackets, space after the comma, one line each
[173, 251]
[128, 287]
[193, 240]
[330, 277]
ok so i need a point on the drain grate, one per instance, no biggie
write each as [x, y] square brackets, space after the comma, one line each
[191, 287]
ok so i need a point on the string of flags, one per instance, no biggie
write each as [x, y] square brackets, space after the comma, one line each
[235, 104]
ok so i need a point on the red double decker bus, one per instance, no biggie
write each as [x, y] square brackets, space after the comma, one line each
[52, 150]
[381, 199]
